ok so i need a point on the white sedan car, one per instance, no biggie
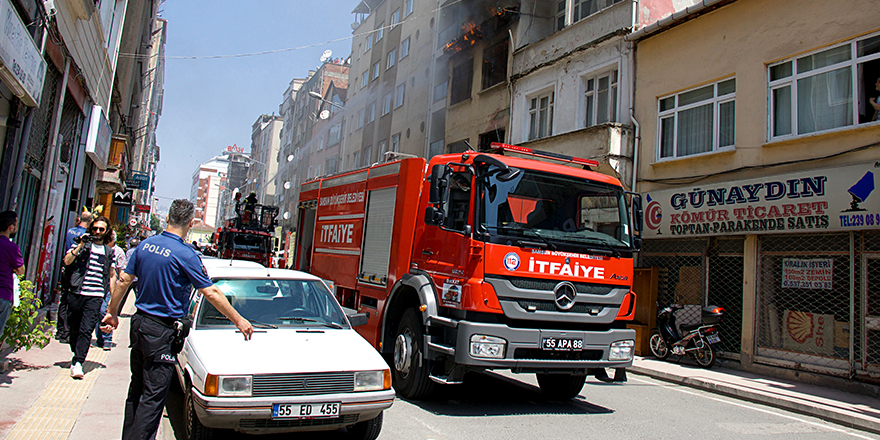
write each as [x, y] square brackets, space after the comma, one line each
[304, 369]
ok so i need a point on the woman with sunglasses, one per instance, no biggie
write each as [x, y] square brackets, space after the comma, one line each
[88, 274]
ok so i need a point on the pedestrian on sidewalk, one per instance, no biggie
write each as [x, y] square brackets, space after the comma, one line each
[167, 270]
[11, 264]
[82, 223]
[88, 273]
[105, 340]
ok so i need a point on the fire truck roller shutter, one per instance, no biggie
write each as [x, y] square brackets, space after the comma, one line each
[379, 224]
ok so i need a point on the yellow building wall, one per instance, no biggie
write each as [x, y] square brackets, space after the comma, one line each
[739, 40]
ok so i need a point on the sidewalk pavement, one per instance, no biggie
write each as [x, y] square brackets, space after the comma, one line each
[39, 400]
[833, 405]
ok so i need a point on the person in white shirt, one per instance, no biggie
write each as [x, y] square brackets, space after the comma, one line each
[105, 340]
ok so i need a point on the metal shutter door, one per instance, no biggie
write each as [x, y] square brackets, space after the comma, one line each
[377, 234]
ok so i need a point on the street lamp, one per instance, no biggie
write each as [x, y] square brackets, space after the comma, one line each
[318, 96]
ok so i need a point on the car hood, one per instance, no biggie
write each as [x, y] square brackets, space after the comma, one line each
[284, 350]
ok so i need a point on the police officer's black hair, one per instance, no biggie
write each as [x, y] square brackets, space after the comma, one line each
[181, 213]
[7, 219]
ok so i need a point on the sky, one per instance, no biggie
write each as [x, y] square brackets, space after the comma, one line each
[212, 103]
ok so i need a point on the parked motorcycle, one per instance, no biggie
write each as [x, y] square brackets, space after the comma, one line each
[695, 340]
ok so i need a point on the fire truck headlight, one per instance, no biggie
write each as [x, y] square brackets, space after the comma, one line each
[483, 346]
[621, 351]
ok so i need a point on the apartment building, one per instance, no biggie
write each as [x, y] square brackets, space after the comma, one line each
[208, 184]
[265, 147]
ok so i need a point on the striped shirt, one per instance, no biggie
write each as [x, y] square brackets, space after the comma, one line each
[93, 282]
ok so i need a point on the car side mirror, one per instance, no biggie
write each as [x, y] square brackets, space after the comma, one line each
[358, 319]
[437, 183]
[433, 216]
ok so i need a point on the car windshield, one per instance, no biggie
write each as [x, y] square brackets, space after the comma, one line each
[276, 303]
[542, 206]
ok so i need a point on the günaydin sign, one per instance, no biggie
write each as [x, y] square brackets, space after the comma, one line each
[830, 199]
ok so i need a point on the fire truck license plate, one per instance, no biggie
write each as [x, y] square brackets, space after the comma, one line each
[305, 410]
[562, 344]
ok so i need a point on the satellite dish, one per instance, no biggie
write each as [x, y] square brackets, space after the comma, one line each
[286, 185]
[287, 215]
[326, 55]
[324, 114]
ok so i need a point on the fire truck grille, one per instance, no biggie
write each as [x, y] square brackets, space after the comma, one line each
[276, 385]
[549, 285]
[347, 419]
[550, 306]
[544, 355]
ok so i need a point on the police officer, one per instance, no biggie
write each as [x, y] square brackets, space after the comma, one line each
[166, 269]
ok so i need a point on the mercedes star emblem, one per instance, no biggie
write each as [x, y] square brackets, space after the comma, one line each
[564, 294]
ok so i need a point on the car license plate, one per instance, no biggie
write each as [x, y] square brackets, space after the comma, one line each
[713, 339]
[562, 344]
[305, 410]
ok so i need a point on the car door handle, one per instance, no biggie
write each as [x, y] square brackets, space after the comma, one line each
[427, 252]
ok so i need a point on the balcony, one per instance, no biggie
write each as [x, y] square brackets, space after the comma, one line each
[610, 144]
[112, 179]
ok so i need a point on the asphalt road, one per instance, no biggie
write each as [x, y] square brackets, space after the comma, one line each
[507, 406]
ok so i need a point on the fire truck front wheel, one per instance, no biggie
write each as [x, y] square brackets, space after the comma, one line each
[411, 370]
[561, 386]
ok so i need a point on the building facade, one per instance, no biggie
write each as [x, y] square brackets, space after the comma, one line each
[758, 163]
[265, 146]
[208, 185]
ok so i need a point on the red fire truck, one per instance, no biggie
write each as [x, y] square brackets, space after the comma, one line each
[479, 261]
[249, 235]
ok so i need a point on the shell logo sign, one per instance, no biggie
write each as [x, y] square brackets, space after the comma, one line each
[809, 333]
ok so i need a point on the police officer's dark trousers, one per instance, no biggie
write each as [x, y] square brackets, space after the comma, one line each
[152, 370]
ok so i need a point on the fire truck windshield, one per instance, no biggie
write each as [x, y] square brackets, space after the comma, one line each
[554, 209]
[249, 242]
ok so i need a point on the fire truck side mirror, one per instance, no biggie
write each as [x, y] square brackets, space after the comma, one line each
[638, 214]
[438, 182]
[433, 216]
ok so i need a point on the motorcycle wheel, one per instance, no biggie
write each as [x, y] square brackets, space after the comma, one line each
[705, 356]
[658, 347]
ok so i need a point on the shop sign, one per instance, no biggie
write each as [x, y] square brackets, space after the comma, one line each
[807, 274]
[142, 209]
[122, 198]
[23, 69]
[830, 199]
[138, 180]
[98, 137]
[810, 333]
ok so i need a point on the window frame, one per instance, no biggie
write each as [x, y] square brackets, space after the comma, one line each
[391, 58]
[591, 94]
[387, 101]
[408, 8]
[500, 57]
[376, 69]
[400, 95]
[380, 32]
[857, 93]
[531, 113]
[395, 142]
[404, 48]
[395, 18]
[716, 101]
[372, 113]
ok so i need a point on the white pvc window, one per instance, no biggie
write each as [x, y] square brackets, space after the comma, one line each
[600, 98]
[697, 121]
[541, 116]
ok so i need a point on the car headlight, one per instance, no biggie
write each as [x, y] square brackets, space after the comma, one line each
[372, 380]
[228, 386]
[483, 346]
[621, 351]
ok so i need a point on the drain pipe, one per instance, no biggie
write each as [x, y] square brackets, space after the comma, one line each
[632, 118]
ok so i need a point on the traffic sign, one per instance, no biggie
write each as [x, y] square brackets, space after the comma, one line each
[132, 222]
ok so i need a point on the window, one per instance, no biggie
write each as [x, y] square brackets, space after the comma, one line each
[360, 118]
[395, 142]
[330, 165]
[600, 98]
[541, 116]
[371, 114]
[365, 80]
[404, 48]
[357, 159]
[383, 147]
[367, 156]
[335, 135]
[386, 104]
[321, 143]
[495, 65]
[688, 121]
[369, 44]
[375, 70]
[392, 57]
[462, 77]
[440, 91]
[401, 90]
[395, 18]
[380, 32]
[560, 14]
[814, 93]
[408, 8]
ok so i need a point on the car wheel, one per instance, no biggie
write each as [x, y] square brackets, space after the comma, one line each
[561, 386]
[194, 428]
[366, 430]
[411, 370]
